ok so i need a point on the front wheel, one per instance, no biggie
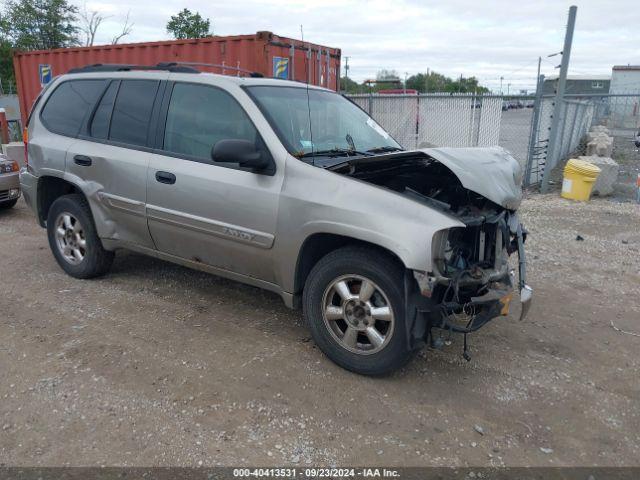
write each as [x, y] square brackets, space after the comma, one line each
[353, 304]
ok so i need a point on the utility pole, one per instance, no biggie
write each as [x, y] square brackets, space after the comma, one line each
[346, 67]
[557, 108]
[501, 79]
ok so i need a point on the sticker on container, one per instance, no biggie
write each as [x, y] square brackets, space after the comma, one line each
[566, 185]
[46, 73]
[372, 123]
[281, 67]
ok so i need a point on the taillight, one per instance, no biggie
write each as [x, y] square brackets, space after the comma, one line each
[25, 139]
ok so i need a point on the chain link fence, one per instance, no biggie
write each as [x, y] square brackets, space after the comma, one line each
[577, 114]
[520, 124]
[454, 120]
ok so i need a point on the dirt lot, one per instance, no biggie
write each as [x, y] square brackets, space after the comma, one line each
[159, 365]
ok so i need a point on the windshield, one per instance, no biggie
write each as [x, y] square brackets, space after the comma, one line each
[324, 123]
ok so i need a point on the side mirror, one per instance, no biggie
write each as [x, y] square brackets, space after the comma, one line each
[242, 152]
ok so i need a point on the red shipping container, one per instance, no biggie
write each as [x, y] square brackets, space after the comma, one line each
[264, 52]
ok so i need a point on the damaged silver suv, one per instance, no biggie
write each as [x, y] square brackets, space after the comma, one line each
[284, 186]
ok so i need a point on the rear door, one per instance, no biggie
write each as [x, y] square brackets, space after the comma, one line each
[201, 210]
[112, 155]
[60, 121]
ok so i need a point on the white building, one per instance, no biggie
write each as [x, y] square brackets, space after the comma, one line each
[625, 79]
[625, 111]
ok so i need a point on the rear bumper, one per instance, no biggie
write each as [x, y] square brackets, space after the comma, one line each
[29, 185]
[9, 187]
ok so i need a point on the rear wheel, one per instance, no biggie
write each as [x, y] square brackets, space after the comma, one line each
[9, 204]
[73, 238]
[353, 304]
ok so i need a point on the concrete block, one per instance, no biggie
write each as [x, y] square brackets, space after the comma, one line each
[598, 135]
[608, 174]
[14, 151]
[600, 147]
[600, 129]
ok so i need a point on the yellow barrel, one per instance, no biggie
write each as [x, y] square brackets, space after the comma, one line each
[579, 177]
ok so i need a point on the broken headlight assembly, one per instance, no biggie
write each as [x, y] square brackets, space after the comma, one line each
[472, 282]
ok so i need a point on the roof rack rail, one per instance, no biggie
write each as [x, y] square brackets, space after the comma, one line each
[116, 67]
[221, 66]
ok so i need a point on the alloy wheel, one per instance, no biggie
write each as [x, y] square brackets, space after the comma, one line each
[358, 314]
[70, 238]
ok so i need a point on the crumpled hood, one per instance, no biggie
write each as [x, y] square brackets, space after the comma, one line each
[492, 172]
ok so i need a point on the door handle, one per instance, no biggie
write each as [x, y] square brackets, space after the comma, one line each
[82, 160]
[166, 177]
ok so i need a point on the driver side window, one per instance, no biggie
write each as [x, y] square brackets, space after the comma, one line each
[199, 116]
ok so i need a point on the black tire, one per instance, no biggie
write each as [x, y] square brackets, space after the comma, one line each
[387, 274]
[8, 205]
[96, 261]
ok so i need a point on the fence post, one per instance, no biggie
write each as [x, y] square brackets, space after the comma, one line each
[473, 118]
[533, 134]
[417, 132]
[562, 80]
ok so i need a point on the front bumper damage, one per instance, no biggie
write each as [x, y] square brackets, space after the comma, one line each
[453, 313]
[526, 292]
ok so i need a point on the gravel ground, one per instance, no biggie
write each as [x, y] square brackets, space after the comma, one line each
[155, 364]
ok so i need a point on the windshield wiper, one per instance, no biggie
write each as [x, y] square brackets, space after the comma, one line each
[384, 149]
[335, 152]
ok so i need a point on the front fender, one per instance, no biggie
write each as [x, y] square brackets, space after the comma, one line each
[319, 201]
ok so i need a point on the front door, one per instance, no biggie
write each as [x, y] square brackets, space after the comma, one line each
[203, 211]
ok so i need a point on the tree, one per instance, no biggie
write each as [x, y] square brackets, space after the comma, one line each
[436, 82]
[385, 75]
[91, 21]
[7, 77]
[40, 24]
[89, 24]
[349, 86]
[126, 30]
[188, 25]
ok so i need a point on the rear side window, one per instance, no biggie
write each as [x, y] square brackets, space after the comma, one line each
[199, 116]
[100, 122]
[69, 104]
[132, 111]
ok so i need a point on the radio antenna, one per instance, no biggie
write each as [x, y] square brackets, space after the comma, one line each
[306, 67]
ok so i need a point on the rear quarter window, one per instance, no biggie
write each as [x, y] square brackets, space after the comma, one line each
[69, 104]
[132, 111]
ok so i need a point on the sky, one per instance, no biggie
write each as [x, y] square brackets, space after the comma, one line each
[487, 39]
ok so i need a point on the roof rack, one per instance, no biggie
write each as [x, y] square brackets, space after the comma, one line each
[115, 67]
[175, 67]
[221, 66]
